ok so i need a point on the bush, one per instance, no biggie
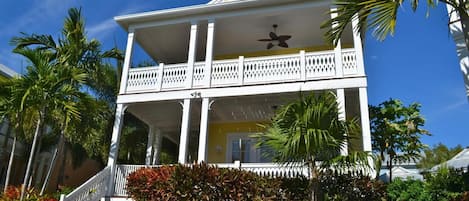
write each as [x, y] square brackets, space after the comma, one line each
[447, 184]
[346, 187]
[409, 190]
[296, 188]
[149, 183]
[201, 182]
[13, 193]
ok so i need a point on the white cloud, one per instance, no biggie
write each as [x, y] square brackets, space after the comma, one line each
[39, 13]
[102, 29]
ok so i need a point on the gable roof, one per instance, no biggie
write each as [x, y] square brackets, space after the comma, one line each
[402, 173]
[461, 160]
[7, 72]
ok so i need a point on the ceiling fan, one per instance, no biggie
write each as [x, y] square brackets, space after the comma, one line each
[276, 39]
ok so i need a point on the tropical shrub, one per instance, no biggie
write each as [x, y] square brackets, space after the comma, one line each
[348, 187]
[296, 188]
[409, 190]
[13, 194]
[201, 182]
[447, 184]
[149, 183]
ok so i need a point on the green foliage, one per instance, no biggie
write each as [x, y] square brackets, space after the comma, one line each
[206, 182]
[396, 131]
[378, 15]
[297, 188]
[444, 185]
[408, 190]
[447, 184]
[436, 155]
[351, 187]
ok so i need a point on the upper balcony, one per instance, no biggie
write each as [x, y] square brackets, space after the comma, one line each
[302, 66]
[217, 45]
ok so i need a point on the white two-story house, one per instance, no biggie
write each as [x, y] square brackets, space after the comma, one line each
[223, 68]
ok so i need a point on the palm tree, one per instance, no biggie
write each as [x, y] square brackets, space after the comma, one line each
[310, 130]
[381, 17]
[74, 50]
[44, 88]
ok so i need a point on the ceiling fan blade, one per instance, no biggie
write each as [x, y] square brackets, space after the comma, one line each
[283, 44]
[284, 37]
[265, 40]
[270, 46]
[273, 36]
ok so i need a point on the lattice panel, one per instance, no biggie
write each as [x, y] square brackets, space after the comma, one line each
[174, 76]
[272, 69]
[320, 65]
[225, 72]
[142, 79]
[349, 62]
[199, 74]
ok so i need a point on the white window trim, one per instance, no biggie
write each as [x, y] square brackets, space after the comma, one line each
[229, 149]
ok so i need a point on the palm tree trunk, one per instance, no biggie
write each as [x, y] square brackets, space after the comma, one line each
[10, 164]
[5, 143]
[61, 178]
[34, 172]
[314, 181]
[31, 154]
[58, 149]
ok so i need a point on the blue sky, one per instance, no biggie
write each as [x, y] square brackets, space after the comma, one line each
[417, 64]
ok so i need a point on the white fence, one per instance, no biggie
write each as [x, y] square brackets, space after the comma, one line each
[242, 71]
[93, 189]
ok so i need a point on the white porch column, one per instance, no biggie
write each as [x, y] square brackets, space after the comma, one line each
[150, 142]
[365, 119]
[185, 129]
[357, 44]
[127, 61]
[337, 50]
[341, 104]
[209, 51]
[157, 147]
[191, 55]
[114, 148]
[202, 154]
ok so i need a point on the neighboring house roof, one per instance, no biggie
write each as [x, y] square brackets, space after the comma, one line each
[7, 72]
[412, 164]
[461, 160]
[221, 1]
[402, 173]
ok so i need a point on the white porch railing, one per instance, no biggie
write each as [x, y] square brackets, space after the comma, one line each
[243, 71]
[270, 169]
[93, 189]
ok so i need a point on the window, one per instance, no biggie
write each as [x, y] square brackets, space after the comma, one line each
[241, 147]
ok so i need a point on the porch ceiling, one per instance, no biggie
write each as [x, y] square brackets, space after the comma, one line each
[167, 115]
[239, 34]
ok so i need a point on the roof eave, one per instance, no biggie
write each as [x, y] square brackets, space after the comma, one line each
[125, 20]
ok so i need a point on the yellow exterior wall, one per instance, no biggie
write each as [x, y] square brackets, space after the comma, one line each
[218, 136]
[278, 52]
